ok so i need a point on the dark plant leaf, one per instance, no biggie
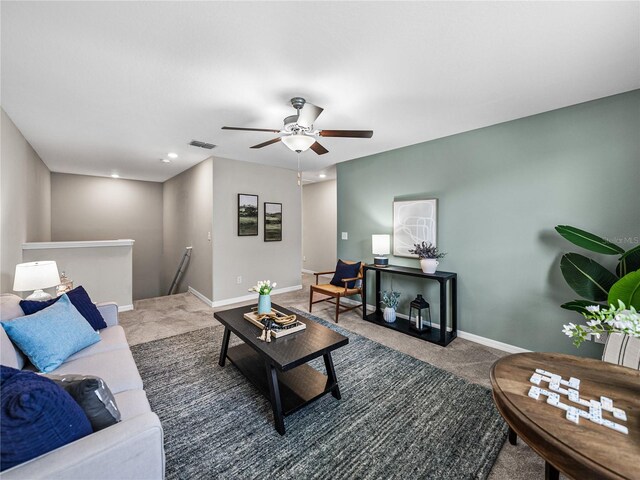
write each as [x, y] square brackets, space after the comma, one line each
[588, 241]
[587, 277]
[626, 289]
[580, 305]
[629, 262]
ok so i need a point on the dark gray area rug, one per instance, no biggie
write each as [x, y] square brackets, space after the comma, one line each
[398, 418]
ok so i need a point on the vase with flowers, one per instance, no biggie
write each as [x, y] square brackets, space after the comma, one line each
[429, 256]
[620, 320]
[263, 289]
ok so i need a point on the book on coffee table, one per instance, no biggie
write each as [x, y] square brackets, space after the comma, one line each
[278, 330]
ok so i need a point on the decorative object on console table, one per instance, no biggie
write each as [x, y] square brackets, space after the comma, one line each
[263, 288]
[380, 246]
[429, 255]
[413, 221]
[66, 285]
[390, 301]
[247, 215]
[36, 276]
[272, 222]
[418, 322]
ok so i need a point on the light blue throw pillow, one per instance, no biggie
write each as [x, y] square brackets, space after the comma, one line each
[52, 335]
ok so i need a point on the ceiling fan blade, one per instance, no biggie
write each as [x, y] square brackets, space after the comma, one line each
[319, 149]
[347, 133]
[260, 145]
[251, 129]
[308, 114]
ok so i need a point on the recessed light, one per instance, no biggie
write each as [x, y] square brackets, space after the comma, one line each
[165, 160]
[322, 175]
[115, 175]
[172, 155]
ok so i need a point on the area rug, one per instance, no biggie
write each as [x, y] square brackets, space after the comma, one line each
[399, 417]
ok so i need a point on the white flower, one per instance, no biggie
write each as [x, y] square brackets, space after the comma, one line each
[274, 284]
[593, 323]
[593, 308]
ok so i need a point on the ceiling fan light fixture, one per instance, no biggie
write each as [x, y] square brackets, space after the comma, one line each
[298, 142]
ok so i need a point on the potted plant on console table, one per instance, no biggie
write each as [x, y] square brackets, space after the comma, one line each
[429, 255]
[390, 302]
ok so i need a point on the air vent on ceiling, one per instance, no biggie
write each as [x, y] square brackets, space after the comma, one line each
[197, 143]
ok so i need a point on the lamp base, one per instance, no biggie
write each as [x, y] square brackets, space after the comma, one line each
[39, 296]
[380, 261]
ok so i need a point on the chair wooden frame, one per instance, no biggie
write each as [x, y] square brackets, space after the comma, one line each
[334, 293]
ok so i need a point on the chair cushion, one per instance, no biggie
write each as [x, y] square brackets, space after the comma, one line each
[345, 270]
[80, 299]
[36, 416]
[52, 335]
[117, 368]
[111, 338]
[132, 403]
[334, 291]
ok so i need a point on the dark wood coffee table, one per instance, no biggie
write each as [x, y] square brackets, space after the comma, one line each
[582, 451]
[279, 368]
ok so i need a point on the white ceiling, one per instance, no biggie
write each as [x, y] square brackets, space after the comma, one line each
[104, 87]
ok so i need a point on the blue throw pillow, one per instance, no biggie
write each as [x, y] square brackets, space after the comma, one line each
[36, 416]
[345, 270]
[80, 299]
[52, 335]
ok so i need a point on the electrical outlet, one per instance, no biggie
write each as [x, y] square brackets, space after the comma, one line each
[209, 236]
[239, 280]
[345, 236]
[304, 258]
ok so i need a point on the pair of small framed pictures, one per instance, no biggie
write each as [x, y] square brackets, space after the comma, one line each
[248, 218]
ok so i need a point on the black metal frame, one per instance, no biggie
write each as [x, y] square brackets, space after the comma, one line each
[265, 222]
[257, 215]
[439, 336]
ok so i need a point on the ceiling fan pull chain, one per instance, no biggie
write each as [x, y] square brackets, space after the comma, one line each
[299, 176]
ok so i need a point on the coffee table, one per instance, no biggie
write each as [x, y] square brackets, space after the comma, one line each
[586, 450]
[278, 369]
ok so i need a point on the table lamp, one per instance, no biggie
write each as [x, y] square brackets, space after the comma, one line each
[36, 276]
[381, 246]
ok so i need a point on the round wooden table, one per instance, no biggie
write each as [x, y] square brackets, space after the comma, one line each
[583, 451]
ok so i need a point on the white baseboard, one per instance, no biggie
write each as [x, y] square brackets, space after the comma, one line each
[488, 342]
[252, 296]
[125, 308]
[472, 337]
[200, 296]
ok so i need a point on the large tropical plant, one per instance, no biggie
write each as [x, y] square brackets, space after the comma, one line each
[594, 282]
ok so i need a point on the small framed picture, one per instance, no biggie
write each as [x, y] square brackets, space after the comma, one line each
[247, 215]
[272, 222]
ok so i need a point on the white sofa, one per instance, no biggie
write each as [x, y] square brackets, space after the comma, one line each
[130, 449]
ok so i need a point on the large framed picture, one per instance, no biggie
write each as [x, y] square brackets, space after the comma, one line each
[414, 221]
[247, 215]
[272, 222]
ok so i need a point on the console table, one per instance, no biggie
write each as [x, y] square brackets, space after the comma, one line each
[439, 336]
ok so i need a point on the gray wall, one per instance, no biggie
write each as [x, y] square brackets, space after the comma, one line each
[25, 199]
[501, 190]
[188, 214]
[251, 257]
[319, 226]
[98, 208]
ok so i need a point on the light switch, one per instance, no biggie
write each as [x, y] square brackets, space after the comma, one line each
[345, 235]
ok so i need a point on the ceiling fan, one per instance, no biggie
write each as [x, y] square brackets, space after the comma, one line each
[298, 133]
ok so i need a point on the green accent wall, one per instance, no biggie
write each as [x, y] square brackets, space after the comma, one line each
[501, 190]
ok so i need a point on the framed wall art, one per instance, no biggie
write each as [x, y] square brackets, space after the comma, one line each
[247, 215]
[414, 221]
[272, 222]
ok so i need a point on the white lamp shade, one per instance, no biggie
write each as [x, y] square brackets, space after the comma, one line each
[36, 276]
[380, 244]
[298, 142]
